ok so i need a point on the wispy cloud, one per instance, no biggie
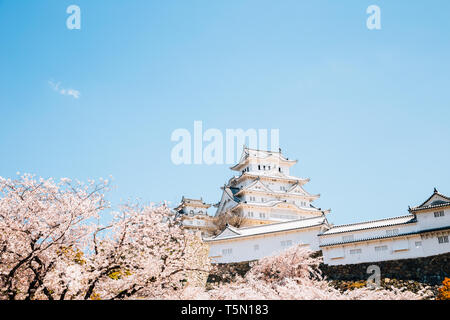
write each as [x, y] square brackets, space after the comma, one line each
[56, 86]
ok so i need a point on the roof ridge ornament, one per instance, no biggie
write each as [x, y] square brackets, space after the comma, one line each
[435, 190]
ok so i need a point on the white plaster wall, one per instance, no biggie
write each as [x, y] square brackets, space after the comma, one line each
[277, 214]
[296, 199]
[424, 221]
[369, 233]
[244, 248]
[195, 210]
[274, 165]
[427, 220]
[198, 222]
[273, 185]
[429, 246]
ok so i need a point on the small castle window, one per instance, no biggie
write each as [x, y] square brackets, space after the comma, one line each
[347, 238]
[355, 251]
[227, 251]
[443, 239]
[439, 214]
[286, 243]
[256, 247]
[392, 232]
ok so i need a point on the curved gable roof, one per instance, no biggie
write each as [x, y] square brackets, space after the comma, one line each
[436, 200]
[388, 222]
[233, 233]
[260, 154]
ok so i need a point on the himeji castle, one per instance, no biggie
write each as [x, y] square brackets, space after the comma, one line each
[264, 191]
[277, 212]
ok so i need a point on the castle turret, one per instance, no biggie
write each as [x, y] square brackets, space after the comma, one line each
[193, 214]
[265, 192]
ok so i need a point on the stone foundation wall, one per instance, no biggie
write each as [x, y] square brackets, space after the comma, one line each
[429, 270]
[226, 272]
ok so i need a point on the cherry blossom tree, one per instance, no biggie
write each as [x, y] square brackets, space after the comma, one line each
[40, 220]
[234, 219]
[295, 275]
[52, 246]
[146, 256]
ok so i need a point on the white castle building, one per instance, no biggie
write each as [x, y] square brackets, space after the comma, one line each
[277, 210]
[265, 192]
[193, 215]
[277, 213]
[253, 243]
[424, 232]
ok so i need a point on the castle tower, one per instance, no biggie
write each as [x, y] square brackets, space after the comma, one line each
[193, 214]
[264, 191]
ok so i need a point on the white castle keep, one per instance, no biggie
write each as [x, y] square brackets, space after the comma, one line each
[277, 212]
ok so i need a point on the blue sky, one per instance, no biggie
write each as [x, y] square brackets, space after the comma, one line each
[365, 112]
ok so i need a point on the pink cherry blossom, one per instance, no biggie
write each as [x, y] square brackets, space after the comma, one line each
[52, 246]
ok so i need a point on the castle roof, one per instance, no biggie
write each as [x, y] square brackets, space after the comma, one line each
[196, 203]
[436, 200]
[234, 233]
[275, 203]
[440, 229]
[258, 186]
[269, 175]
[231, 192]
[382, 223]
[249, 154]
